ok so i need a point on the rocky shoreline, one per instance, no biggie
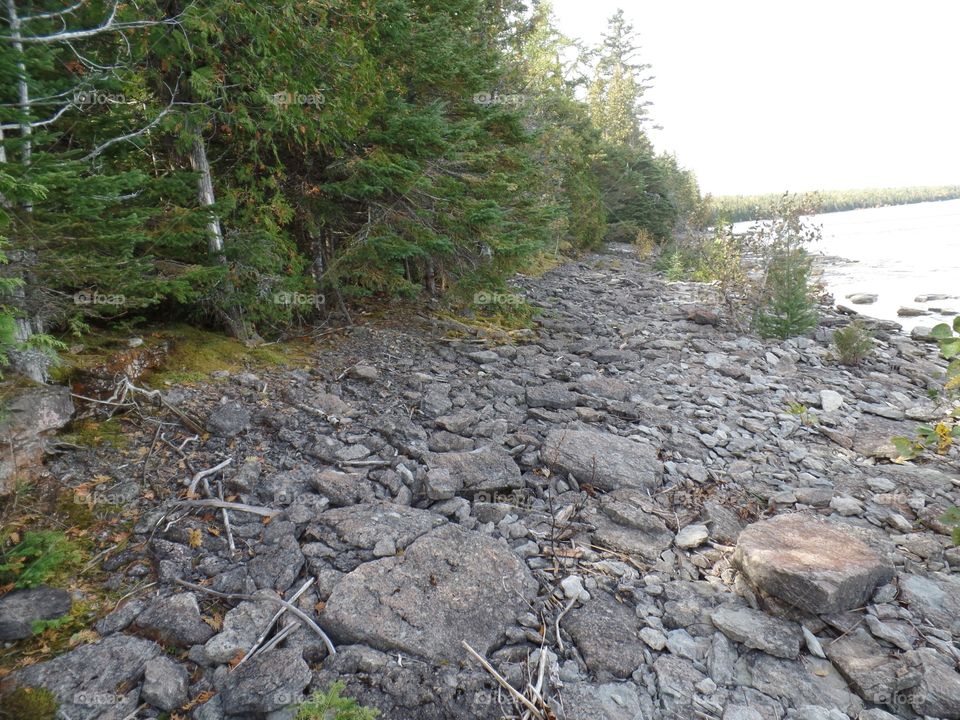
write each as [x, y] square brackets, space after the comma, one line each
[631, 512]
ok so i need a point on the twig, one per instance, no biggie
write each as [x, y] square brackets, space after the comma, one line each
[227, 505]
[266, 631]
[226, 519]
[556, 623]
[292, 608]
[206, 473]
[499, 678]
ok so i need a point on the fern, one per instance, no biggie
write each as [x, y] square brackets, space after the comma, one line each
[330, 706]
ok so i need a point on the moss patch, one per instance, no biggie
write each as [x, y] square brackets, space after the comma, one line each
[33, 703]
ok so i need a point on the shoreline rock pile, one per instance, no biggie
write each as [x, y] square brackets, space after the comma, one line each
[665, 517]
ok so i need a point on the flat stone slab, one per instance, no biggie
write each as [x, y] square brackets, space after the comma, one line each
[92, 681]
[450, 585]
[810, 563]
[603, 460]
[872, 671]
[487, 468]
[759, 631]
[606, 633]
[934, 597]
[19, 609]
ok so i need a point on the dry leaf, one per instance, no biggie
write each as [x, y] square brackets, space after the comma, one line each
[235, 660]
[195, 538]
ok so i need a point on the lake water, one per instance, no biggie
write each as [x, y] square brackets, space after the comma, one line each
[897, 253]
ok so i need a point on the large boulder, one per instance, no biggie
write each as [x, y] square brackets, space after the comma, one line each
[810, 563]
[32, 415]
[93, 681]
[602, 460]
[450, 585]
[175, 620]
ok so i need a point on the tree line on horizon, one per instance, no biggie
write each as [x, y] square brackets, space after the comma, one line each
[252, 165]
[739, 208]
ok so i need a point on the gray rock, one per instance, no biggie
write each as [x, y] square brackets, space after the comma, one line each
[554, 396]
[812, 681]
[603, 460]
[486, 468]
[450, 585]
[19, 609]
[367, 373]
[606, 634]
[270, 681]
[30, 417]
[809, 563]
[342, 489]
[938, 693]
[759, 631]
[872, 672]
[677, 682]
[934, 597]
[85, 681]
[830, 400]
[692, 536]
[623, 525]
[862, 298]
[165, 683]
[241, 627]
[612, 701]
[175, 620]
[741, 712]
[353, 533]
[277, 564]
[721, 659]
[228, 420]
[815, 712]
[724, 524]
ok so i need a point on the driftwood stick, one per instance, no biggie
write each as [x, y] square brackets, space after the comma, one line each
[266, 631]
[206, 473]
[226, 519]
[227, 505]
[556, 624]
[500, 679]
[292, 608]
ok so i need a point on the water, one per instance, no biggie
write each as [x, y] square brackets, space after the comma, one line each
[897, 253]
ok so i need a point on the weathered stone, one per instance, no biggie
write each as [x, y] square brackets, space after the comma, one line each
[830, 400]
[352, 533]
[934, 597]
[613, 701]
[624, 526]
[272, 680]
[603, 460]
[692, 536]
[175, 620]
[277, 564]
[810, 563]
[872, 672]
[165, 683]
[812, 681]
[677, 682]
[862, 298]
[29, 418]
[88, 682]
[19, 609]
[450, 585]
[487, 468]
[606, 633]
[553, 396]
[342, 489]
[241, 627]
[228, 420]
[759, 631]
[938, 693]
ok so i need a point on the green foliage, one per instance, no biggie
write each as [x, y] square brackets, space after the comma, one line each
[27, 702]
[330, 705]
[952, 517]
[735, 208]
[853, 343]
[788, 308]
[38, 557]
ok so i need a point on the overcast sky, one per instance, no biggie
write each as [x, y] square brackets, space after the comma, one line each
[774, 95]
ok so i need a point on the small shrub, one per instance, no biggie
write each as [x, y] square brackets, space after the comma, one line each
[788, 308]
[330, 706]
[37, 558]
[32, 703]
[853, 344]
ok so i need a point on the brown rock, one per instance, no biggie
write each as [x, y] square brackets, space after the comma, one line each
[809, 563]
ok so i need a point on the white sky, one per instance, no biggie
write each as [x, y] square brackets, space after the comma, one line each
[775, 95]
